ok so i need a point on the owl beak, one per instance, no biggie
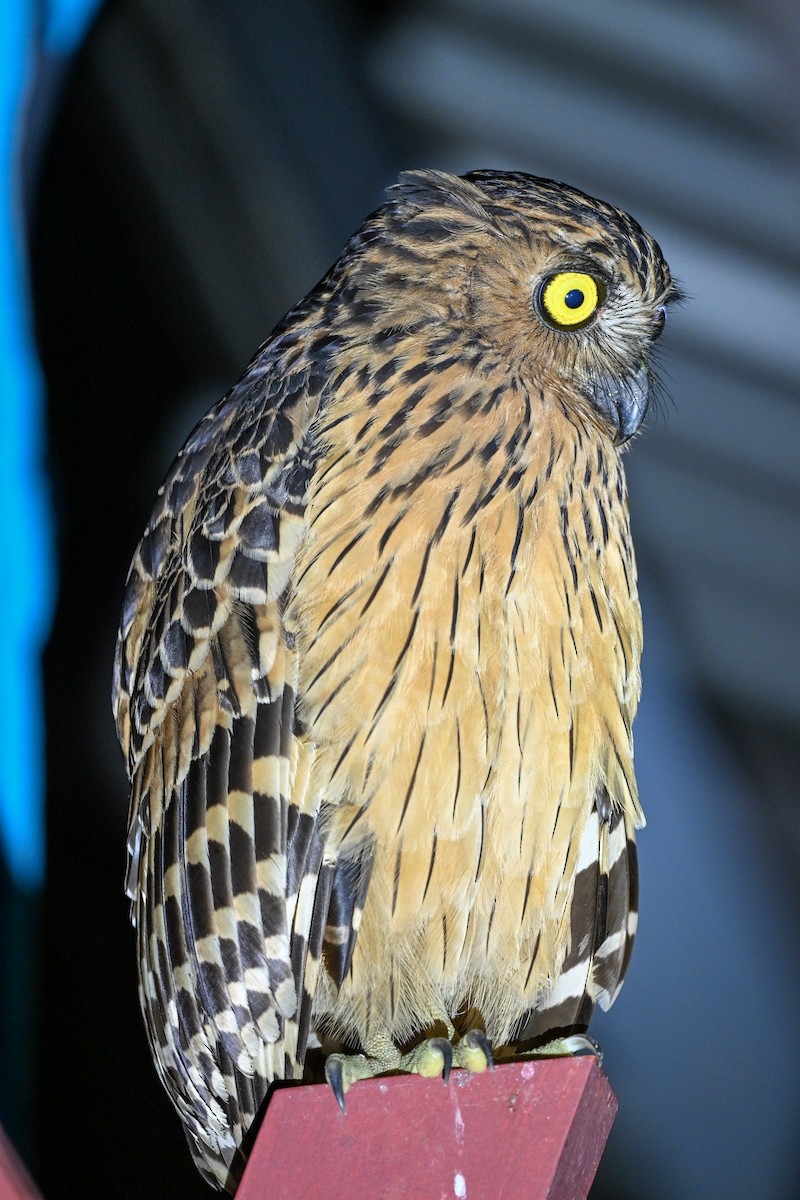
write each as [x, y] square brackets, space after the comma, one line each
[624, 402]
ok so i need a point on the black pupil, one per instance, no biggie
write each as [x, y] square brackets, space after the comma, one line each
[574, 298]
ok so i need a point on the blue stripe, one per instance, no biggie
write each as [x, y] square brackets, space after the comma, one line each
[66, 23]
[27, 575]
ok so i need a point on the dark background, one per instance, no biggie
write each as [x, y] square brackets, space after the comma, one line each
[204, 165]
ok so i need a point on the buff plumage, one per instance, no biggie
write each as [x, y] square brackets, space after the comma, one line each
[379, 657]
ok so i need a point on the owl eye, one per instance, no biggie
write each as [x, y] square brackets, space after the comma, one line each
[570, 299]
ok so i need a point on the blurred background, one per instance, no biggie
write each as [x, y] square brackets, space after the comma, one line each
[176, 175]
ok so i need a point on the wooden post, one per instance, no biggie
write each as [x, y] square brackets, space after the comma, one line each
[529, 1131]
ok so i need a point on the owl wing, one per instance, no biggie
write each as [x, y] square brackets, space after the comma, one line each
[224, 851]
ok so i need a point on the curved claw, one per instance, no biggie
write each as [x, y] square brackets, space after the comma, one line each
[446, 1050]
[581, 1043]
[476, 1039]
[335, 1077]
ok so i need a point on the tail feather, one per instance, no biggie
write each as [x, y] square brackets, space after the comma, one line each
[620, 870]
[603, 919]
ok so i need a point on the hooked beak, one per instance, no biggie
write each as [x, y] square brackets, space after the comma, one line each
[623, 402]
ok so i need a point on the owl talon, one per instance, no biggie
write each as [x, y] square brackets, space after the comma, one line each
[446, 1050]
[580, 1043]
[573, 1046]
[474, 1052]
[430, 1058]
[335, 1077]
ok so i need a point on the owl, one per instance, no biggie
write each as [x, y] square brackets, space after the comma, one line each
[378, 662]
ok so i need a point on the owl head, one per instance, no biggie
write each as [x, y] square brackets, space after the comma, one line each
[568, 291]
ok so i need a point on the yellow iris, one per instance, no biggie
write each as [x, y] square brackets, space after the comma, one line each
[570, 299]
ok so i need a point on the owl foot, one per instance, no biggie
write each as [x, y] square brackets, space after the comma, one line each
[430, 1058]
[341, 1070]
[438, 1055]
[435, 1056]
[566, 1047]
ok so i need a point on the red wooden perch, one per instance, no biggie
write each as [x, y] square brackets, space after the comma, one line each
[531, 1131]
[15, 1182]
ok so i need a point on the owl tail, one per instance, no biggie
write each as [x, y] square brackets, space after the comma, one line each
[603, 916]
[618, 877]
